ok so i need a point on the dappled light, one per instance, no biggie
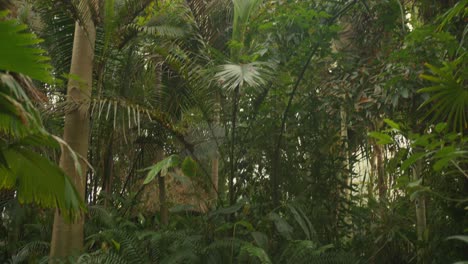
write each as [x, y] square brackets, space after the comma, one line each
[233, 131]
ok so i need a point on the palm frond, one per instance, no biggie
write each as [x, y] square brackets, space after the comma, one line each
[33, 176]
[449, 96]
[253, 74]
[30, 250]
[57, 29]
[18, 53]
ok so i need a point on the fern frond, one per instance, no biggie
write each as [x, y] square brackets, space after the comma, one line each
[31, 251]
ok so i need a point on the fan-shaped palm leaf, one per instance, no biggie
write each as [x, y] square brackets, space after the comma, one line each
[253, 74]
[449, 95]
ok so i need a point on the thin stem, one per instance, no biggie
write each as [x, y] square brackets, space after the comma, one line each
[233, 143]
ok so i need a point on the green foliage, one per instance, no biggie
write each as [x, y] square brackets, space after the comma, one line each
[32, 175]
[18, 52]
[161, 167]
[448, 95]
[181, 76]
[188, 166]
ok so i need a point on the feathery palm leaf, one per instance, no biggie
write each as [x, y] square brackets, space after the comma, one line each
[17, 53]
[32, 175]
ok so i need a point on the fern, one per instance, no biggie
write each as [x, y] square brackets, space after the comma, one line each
[30, 251]
[101, 257]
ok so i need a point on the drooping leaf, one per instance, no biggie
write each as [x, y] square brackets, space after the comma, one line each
[392, 124]
[38, 180]
[411, 160]
[281, 225]
[382, 139]
[161, 167]
[460, 237]
[260, 239]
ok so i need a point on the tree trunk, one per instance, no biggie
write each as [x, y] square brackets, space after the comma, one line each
[344, 138]
[232, 194]
[163, 209]
[108, 172]
[67, 238]
[381, 181]
[215, 159]
[420, 206]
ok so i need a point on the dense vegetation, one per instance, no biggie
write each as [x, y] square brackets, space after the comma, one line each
[241, 131]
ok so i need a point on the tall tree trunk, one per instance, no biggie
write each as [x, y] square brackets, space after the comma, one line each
[420, 206]
[215, 159]
[232, 194]
[67, 238]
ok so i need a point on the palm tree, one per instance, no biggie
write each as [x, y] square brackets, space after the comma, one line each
[34, 177]
[76, 131]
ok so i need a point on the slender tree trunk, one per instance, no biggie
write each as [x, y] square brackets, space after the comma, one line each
[67, 238]
[420, 206]
[215, 159]
[107, 172]
[232, 195]
[215, 178]
[163, 209]
[344, 137]
[381, 181]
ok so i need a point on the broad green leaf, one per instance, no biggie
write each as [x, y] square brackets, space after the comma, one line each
[460, 237]
[245, 224]
[402, 182]
[441, 163]
[38, 180]
[392, 124]
[324, 248]
[282, 226]
[256, 253]
[412, 159]
[116, 244]
[422, 141]
[189, 167]
[382, 139]
[415, 184]
[260, 239]
[303, 222]
[161, 167]
[430, 78]
[448, 151]
[228, 210]
[440, 127]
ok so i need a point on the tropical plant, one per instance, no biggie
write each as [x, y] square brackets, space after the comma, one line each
[34, 177]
